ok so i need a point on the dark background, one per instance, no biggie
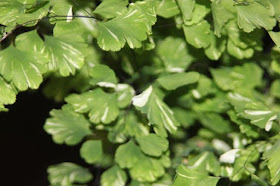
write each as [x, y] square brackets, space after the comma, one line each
[26, 149]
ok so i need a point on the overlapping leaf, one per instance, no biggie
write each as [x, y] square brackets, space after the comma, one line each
[158, 113]
[66, 126]
[111, 8]
[131, 27]
[102, 106]
[254, 16]
[173, 81]
[173, 52]
[92, 151]
[186, 176]
[65, 53]
[67, 174]
[114, 176]
[272, 157]
[21, 68]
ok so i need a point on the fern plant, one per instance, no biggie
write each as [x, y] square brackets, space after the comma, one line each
[156, 92]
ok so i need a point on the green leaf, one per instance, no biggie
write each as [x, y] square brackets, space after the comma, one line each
[114, 177]
[216, 104]
[215, 122]
[239, 52]
[247, 76]
[186, 7]
[13, 12]
[127, 155]
[65, 53]
[174, 54]
[7, 93]
[114, 33]
[275, 4]
[152, 144]
[141, 167]
[102, 106]
[21, 68]
[111, 8]
[205, 162]
[67, 174]
[158, 113]
[125, 94]
[273, 162]
[185, 176]
[205, 87]
[147, 169]
[173, 81]
[103, 76]
[92, 151]
[167, 8]
[244, 126]
[275, 36]
[260, 115]
[275, 88]
[258, 180]
[66, 126]
[200, 11]
[216, 47]
[220, 16]
[254, 16]
[198, 35]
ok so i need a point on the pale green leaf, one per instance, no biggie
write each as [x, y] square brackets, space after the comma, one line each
[215, 122]
[186, 7]
[66, 126]
[174, 54]
[158, 113]
[125, 94]
[152, 144]
[198, 35]
[273, 162]
[21, 68]
[7, 93]
[275, 5]
[220, 16]
[275, 36]
[127, 155]
[147, 169]
[254, 15]
[66, 174]
[186, 176]
[102, 106]
[167, 8]
[260, 115]
[216, 104]
[111, 8]
[216, 48]
[13, 12]
[92, 151]
[131, 27]
[61, 7]
[275, 88]
[114, 176]
[258, 180]
[173, 81]
[199, 13]
[247, 76]
[238, 52]
[244, 125]
[65, 53]
[103, 76]
[205, 162]
[205, 87]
